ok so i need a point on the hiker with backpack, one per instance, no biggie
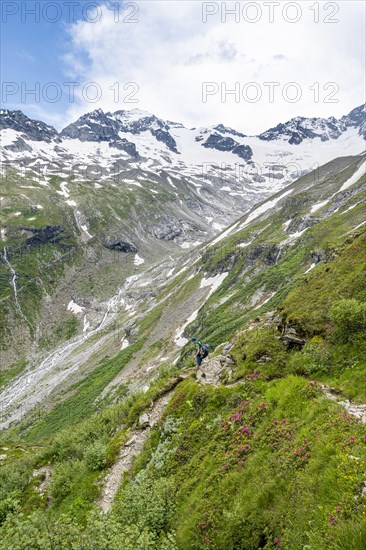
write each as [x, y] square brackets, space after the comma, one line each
[201, 350]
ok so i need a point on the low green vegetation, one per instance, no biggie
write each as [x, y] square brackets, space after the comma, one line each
[81, 403]
[262, 460]
[239, 467]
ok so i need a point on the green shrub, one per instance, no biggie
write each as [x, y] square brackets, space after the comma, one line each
[102, 532]
[255, 345]
[9, 505]
[62, 478]
[13, 479]
[146, 502]
[314, 357]
[65, 446]
[349, 317]
[96, 456]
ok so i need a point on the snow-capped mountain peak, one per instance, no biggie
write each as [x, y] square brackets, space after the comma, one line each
[137, 136]
[296, 130]
[34, 130]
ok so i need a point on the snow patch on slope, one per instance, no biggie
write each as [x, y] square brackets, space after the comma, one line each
[263, 208]
[74, 308]
[214, 283]
[318, 206]
[361, 171]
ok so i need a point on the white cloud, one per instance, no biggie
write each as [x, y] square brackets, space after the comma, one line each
[170, 53]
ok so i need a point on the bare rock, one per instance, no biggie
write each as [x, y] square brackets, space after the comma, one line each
[130, 441]
[144, 420]
[264, 359]
[212, 371]
[292, 340]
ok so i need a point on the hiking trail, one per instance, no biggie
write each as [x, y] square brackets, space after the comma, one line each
[209, 373]
[359, 411]
[129, 451]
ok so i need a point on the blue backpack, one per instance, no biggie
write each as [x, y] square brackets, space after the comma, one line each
[204, 350]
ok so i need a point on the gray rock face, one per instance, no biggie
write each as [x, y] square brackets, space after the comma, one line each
[18, 146]
[95, 126]
[119, 245]
[126, 146]
[296, 130]
[243, 151]
[35, 130]
[225, 130]
[299, 223]
[221, 143]
[45, 235]
[167, 229]
[299, 128]
[165, 137]
[142, 124]
[268, 253]
[99, 126]
[356, 119]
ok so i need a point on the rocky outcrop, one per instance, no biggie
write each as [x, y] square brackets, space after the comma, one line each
[18, 146]
[126, 146]
[323, 255]
[165, 137]
[299, 128]
[34, 130]
[225, 130]
[45, 235]
[119, 245]
[221, 143]
[292, 339]
[356, 119]
[95, 126]
[166, 229]
[144, 420]
[268, 253]
[213, 371]
[99, 126]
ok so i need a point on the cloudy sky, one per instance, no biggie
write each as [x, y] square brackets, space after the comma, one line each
[248, 65]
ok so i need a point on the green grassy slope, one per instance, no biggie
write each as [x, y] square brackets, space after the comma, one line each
[68, 263]
[269, 462]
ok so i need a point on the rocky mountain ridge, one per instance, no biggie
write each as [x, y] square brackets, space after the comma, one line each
[99, 126]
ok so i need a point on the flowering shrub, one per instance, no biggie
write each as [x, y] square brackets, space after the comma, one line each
[302, 454]
[278, 433]
[204, 525]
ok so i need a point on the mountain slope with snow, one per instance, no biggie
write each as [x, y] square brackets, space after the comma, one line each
[146, 141]
[115, 193]
[251, 265]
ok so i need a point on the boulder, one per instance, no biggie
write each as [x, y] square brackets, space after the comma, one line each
[292, 340]
[144, 420]
[213, 371]
[264, 359]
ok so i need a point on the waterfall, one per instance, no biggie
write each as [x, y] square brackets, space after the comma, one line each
[14, 285]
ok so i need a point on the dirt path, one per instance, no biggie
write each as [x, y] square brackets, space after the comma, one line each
[208, 374]
[359, 411]
[129, 451]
